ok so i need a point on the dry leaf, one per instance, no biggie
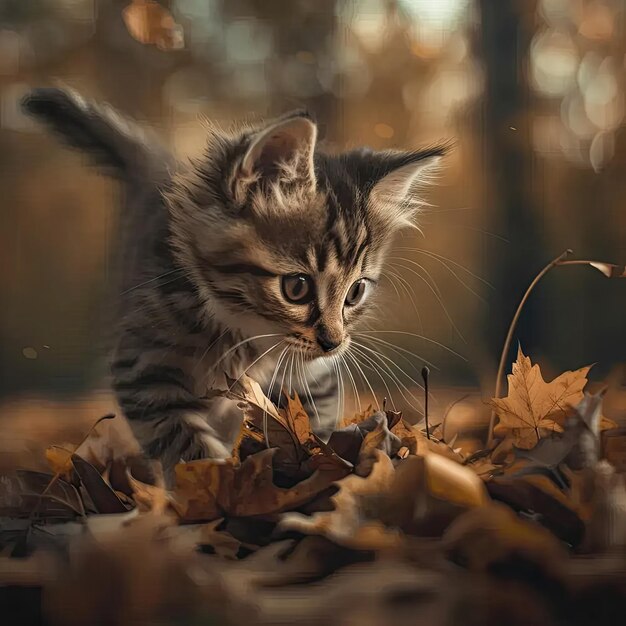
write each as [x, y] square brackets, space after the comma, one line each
[209, 488]
[533, 407]
[420, 496]
[347, 524]
[299, 451]
[492, 536]
[60, 460]
[538, 496]
[147, 497]
[453, 482]
[21, 497]
[150, 23]
[223, 543]
[102, 495]
[358, 417]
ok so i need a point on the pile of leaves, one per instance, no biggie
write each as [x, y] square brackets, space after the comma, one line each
[384, 521]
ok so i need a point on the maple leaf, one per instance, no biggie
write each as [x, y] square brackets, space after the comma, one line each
[533, 406]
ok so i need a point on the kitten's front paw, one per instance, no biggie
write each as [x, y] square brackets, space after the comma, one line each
[211, 447]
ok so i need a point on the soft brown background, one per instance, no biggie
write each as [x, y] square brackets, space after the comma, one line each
[532, 92]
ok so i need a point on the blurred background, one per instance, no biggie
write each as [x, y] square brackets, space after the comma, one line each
[531, 91]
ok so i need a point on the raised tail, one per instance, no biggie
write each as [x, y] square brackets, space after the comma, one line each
[115, 143]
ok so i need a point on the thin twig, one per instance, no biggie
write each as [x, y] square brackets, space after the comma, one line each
[509, 337]
[425, 373]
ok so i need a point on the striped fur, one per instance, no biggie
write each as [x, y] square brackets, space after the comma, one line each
[206, 247]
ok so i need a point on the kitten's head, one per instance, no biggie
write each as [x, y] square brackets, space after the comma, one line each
[281, 238]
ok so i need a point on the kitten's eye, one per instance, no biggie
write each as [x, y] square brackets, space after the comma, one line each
[356, 292]
[297, 288]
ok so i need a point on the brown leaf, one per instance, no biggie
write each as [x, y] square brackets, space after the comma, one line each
[534, 407]
[60, 460]
[21, 497]
[222, 542]
[539, 496]
[452, 482]
[347, 524]
[299, 451]
[148, 497]
[103, 497]
[420, 496]
[209, 488]
[150, 23]
[359, 417]
[490, 537]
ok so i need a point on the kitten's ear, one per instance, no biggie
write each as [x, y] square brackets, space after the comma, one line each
[397, 178]
[283, 152]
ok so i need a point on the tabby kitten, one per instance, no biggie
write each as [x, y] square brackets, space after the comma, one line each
[260, 257]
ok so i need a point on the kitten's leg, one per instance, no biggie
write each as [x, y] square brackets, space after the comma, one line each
[324, 400]
[167, 417]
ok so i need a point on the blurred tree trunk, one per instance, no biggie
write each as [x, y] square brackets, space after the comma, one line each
[507, 29]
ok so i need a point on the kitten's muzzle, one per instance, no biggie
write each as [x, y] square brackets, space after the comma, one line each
[328, 341]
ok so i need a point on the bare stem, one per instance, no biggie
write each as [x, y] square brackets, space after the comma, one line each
[509, 337]
[425, 374]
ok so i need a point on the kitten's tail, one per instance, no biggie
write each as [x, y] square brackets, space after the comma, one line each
[121, 147]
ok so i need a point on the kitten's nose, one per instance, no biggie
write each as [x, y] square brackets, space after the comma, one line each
[328, 341]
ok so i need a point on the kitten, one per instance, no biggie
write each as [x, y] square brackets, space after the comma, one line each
[260, 257]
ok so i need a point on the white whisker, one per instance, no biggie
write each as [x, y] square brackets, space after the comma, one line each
[437, 296]
[398, 350]
[343, 362]
[241, 343]
[151, 280]
[395, 379]
[376, 371]
[363, 376]
[401, 332]
[245, 371]
[444, 260]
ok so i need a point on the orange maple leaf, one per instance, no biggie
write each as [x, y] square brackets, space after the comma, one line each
[534, 407]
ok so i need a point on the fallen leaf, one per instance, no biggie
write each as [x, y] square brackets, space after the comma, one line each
[368, 411]
[419, 497]
[347, 524]
[60, 460]
[299, 452]
[147, 497]
[223, 543]
[102, 495]
[492, 538]
[538, 496]
[209, 488]
[32, 494]
[455, 483]
[534, 407]
[150, 23]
